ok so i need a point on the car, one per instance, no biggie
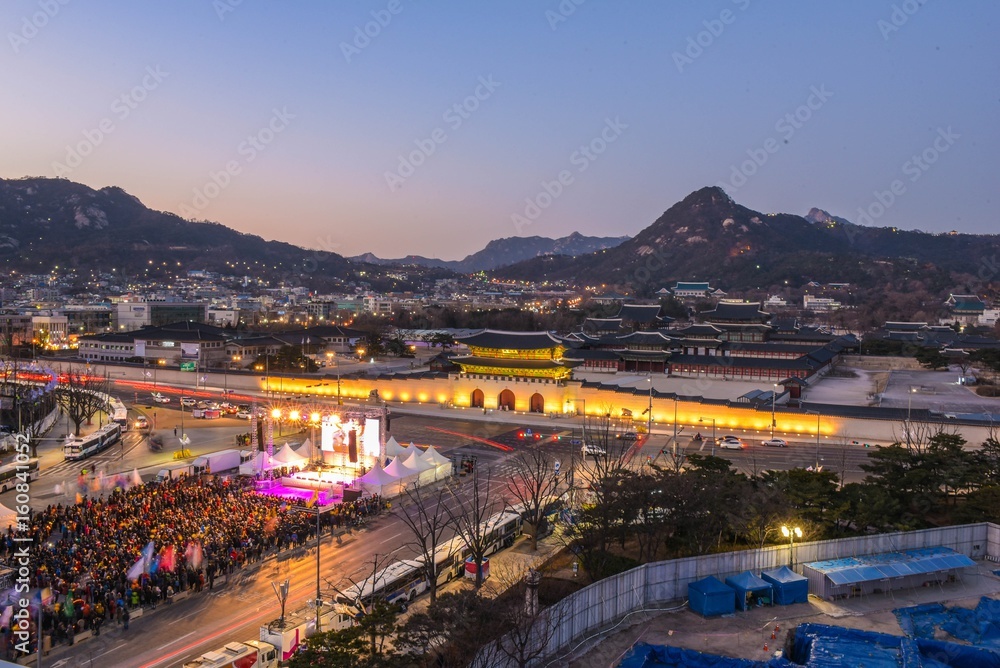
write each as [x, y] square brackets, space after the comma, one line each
[212, 405]
[160, 399]
[202, 405]
[775, 443]
[188, 402]
[629, 436]
[731, 443]
[243, 414]
[593, 450]
[141, 422]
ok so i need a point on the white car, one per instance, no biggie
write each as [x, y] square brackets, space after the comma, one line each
[731, 443]
[594, 450]
[243, 414]
[188, 401]
[775, 443]
[160, 399]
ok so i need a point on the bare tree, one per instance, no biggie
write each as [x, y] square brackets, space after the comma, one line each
[475, 504]
[532, 484]
[424, 514]
[377, 616]
[82, 396]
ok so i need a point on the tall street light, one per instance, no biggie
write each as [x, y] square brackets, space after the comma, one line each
[817, 413]
[774, 394]
[909, 406]
[713, 432]
[791, 533]
[649, 418]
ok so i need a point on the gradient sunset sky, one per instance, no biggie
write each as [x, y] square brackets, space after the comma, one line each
[328, 137]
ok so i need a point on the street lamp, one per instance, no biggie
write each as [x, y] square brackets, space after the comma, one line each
[791, 533]
[276, 415]
[649, 419]
[713, 432]
[909, 406]
[774, 394]
[817, 413]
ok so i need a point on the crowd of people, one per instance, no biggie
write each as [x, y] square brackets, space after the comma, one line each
[102, 557]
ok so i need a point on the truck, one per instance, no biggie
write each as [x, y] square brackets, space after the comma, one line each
[173, 472]
[301, 624]
[217, 462]
[247, 654]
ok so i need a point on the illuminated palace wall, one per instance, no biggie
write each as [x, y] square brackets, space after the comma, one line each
[570, 397]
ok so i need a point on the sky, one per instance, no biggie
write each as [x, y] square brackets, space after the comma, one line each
[402, 127]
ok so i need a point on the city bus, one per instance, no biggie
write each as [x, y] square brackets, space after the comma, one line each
[400, 582]
[81, 447]
[9, 474]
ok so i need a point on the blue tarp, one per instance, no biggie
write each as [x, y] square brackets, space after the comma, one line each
[661, 656]
[709, 597]
[747, 584]
[789, 587]
[979, 626]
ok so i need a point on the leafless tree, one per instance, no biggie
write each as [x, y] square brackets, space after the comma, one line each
[378, 617]
[82, 396]
[475, 503]
[424, 513]
[532, 484]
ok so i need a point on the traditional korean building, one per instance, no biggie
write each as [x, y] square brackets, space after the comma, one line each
[524, 354]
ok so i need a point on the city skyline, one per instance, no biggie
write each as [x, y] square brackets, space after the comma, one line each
[399, 129]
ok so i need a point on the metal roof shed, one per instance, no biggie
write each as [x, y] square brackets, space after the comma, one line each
[881, 572]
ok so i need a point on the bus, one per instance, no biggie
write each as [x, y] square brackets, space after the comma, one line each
[81, 447]
[449, 560]
[9, 474]
[401, 581]
[118, 412]
[502, 530]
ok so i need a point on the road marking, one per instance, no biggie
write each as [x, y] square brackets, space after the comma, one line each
[173, 641]
[397, 535]
[95, 657]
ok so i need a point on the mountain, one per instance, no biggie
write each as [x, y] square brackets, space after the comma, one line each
[46, 223]
[708, 236]
[507, 251]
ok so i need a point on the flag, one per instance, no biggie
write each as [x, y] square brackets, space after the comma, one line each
[193, 555]
[154, 564]
[136, 571]
[147, 556]
[167, 559]
[313, 499]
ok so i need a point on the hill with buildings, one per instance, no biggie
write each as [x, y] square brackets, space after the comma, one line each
[709, 237]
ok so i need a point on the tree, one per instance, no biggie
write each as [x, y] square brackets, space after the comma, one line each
[82, 396]
[453, 630]
[425, 516]
[376, 616]
[932, 358]
[532, 484]
[473, 508]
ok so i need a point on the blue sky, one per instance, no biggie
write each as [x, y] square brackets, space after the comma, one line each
[285, 119]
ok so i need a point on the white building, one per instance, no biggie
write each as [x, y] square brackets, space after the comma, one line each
[811, 303]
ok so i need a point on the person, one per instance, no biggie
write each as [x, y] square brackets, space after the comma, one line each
[697, 436]
[175, 430]
[125, 618]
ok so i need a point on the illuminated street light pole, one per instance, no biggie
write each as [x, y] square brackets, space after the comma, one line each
[649, 418]
[713, 432]
[774, 394]
[817, 413]
[791, 533]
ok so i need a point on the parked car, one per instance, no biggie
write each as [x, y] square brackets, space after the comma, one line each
[629, 436]
[188, 402]
[775, 443]
[243, 414]
[593, 450]
[731, 443]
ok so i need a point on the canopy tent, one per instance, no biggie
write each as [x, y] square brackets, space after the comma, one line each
[427, 471]
[260, 462]
[393, 448]
[288, 457]
[399, 470]
[750, 590]
[789, 587]
[308, 450]
[412, 449]
[710, 598]
[432, 456]
[375, 481]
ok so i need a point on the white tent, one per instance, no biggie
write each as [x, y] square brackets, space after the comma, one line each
[288, 457]
[403, 473]
[260, 462]
[307, 450]
[375, 481]
[411, 449]
[426, 470]
[441, 464]
[393, 448]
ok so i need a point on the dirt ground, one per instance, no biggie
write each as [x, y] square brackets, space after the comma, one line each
[745, 634]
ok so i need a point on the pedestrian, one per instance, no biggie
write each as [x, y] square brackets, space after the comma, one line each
[125, 618]
[175, 431]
